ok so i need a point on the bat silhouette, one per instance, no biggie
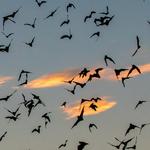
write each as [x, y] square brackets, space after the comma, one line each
[134, 146]
[97, 20]
[116, 146]
[3, 135]
[65, 22]
[107, 21]
[73, 90]
[5, 48]
[63, 104]
[31, 25]
[142, 126]
[118, 71]
[106, 58]
[13, 112]
[89, 16]
[25, 82]
[95, 34]
[82, 85]
[63, 145]
[84, 72]
[46, 118]
[7, 97]
[70, 81]
[138, 46]
[7, 35]
[81, 145]
[125, 143]
[103, 20]
[24, 100]
[95, 75]
[131, 127]
[14, 118]
[91, 125]
[140, 102]
[84, 100]
[52, 13]
[123, 80]
[39, 102]
[95, 99]
[31, 42]
[93, 106]
[13, 14]
[70, 5]
[37, 130]
[10, 17]
[134, 67]
[79, 118]
[37, 98]
[40, 3]
[30, 106]
[107, 11]
[5, 18]
[23, 72]
[67, 36]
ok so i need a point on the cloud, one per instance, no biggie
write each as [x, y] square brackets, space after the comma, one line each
[52, 79]
[4, 79]
[74, 110]
[58, 78]
[108, 75]
[144, 69]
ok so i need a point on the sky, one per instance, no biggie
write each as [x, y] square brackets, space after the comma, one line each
[52, 61]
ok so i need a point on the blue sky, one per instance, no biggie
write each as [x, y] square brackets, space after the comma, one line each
[50, 56]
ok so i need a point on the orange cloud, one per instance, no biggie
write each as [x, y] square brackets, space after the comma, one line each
[109, 76]
[75, 109]
[144, 69]
[57, 79]
[4, 79]
[52, 80]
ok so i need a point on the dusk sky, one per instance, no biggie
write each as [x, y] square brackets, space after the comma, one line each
[52, 61]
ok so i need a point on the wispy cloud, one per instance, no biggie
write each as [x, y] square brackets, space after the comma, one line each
[57, 79]
[4, 79]
[109, 74]
[52, 79]
[144, 69]
[74, 110]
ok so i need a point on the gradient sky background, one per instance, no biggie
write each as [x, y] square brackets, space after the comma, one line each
[50, 55]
